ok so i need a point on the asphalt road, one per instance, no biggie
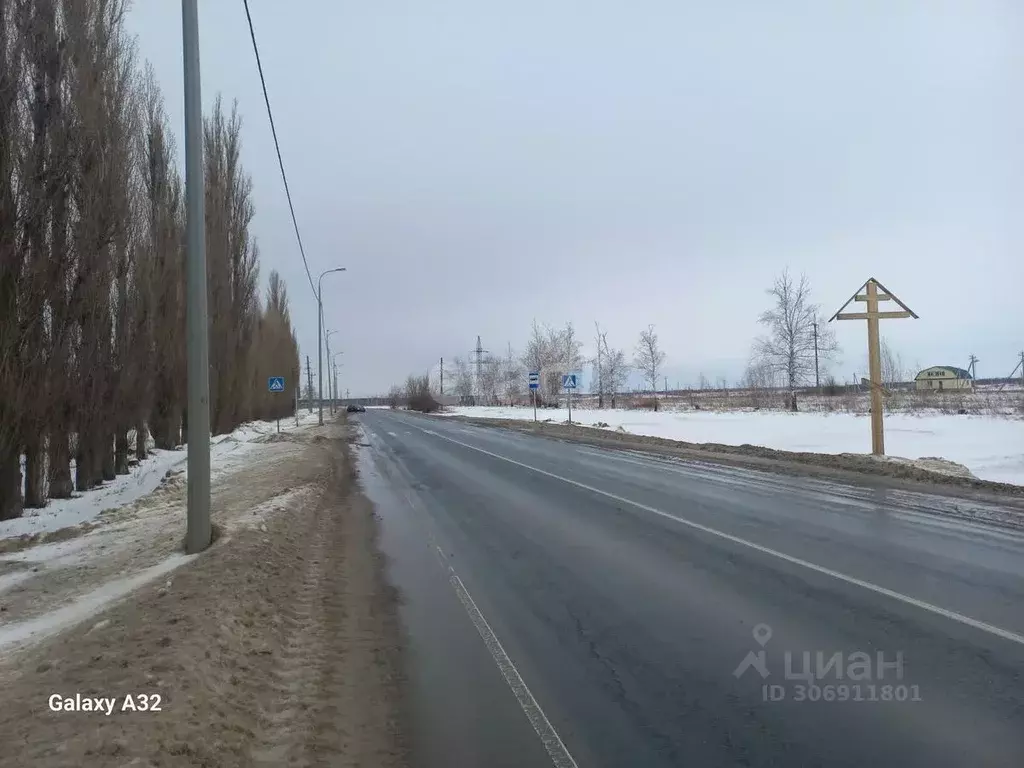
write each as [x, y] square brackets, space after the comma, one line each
[569, 605]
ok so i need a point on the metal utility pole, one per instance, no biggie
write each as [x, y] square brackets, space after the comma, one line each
[334, 364]
[320, 337]
[479, 352]
[871, 297]
[327, 344]
[199, 533]
[309, 385]
[817, 378]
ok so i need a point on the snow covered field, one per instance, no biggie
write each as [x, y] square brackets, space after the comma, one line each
[992, 448]
[226, 452]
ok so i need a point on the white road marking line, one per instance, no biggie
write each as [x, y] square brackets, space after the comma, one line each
[553, 744]
[938, 610]
[392, 434]
[559, 755]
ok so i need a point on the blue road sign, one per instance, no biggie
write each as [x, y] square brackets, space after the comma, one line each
[275, 384]
[534, 379]
[569, 381]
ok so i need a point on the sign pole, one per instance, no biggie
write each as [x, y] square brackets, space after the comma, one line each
[275, 384]
[534, 386]
[570, 406]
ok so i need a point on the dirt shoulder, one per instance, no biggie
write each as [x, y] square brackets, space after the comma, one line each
[279, 646]
[841, 467]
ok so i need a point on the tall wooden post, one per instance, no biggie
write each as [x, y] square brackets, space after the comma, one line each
[875, 371]
[871, 297]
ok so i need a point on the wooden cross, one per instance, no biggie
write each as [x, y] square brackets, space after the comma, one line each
[871, 296]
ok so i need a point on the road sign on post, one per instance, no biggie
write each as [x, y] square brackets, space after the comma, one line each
[874, 292]
[276, 384]
[534, 384]
[569, 383]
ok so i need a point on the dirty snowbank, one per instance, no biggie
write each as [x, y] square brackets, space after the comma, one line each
[50, 585]
[227, 452]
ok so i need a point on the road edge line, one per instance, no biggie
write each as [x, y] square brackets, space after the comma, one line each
[556, 749]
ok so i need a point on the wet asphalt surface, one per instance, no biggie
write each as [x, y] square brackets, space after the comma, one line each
[634, 627]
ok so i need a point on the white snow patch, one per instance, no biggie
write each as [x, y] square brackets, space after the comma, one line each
[82, 507]
[11, 580]
[226, 453]
[992, 448]
[57, 553]
[87, 605]
[282, 501]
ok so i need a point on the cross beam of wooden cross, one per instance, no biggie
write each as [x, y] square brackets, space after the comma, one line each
[871, 293]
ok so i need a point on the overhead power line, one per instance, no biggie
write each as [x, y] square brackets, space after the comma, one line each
[277, 146]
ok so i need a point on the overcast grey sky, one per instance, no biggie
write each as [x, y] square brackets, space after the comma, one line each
[478, 165]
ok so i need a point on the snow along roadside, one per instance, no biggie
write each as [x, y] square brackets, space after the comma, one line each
[225, 452]
[46, 588]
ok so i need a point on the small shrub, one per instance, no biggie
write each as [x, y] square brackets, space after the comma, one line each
[424, 403]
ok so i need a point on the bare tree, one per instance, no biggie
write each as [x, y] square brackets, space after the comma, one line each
[275, 352]
[490, 379]
[598, 376]
[553, 352]
[162, 301]
[649, 359]
[616, 369]
[611, 371]
[513, 377]
[540, 356]
[91, 255]
[12, 380]
[395, 396]
[893, 370]
[760, 379]
[789, 347]
[233, 260]
[418, 395]
[569, 349]
[462, 378]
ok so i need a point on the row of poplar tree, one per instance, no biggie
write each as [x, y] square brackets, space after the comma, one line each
[92, 294]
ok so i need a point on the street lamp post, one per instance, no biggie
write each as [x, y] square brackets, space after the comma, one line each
[320, 337]
[197, 333]
[327, 344]
[334, 364]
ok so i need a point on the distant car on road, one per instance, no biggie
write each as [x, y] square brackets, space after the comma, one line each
[356, 409]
